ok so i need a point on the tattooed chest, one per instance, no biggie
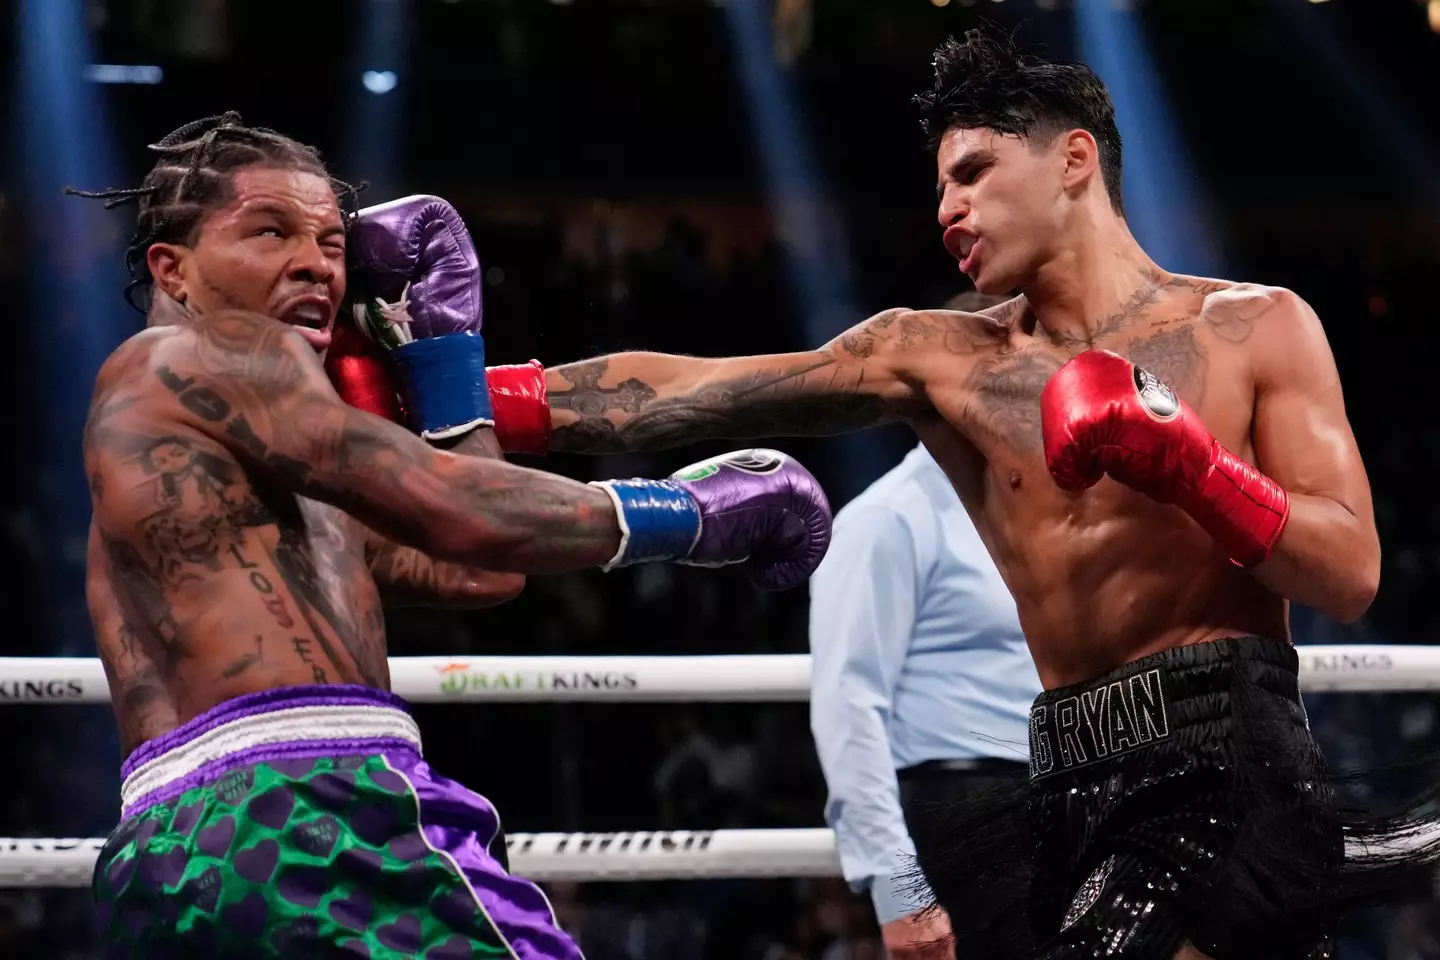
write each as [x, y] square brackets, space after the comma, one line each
[999, 406]
[1002, 402]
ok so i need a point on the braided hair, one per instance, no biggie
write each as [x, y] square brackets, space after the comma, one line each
[193, 176]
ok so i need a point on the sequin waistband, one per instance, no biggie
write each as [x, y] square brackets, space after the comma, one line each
[1149, 700]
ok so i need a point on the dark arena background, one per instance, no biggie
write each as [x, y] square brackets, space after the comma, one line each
[709, 177]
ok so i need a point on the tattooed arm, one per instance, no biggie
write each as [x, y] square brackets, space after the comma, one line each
[406, 576]
[649, 401]
[255, 387]
[1328, 556]
[409, 577]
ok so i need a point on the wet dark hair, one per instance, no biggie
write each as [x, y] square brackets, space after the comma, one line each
[194, 176]
[984, 81]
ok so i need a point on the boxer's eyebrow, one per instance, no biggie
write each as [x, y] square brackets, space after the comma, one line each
[961, 167]
[282, 212]
[267, 209]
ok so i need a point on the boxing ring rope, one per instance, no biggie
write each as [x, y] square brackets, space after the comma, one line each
[755, 678]
[641, 855]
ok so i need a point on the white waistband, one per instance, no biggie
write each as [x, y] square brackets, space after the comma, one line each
[291, 725]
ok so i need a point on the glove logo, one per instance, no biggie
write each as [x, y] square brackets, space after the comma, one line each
[758, 462]
[1157, 399]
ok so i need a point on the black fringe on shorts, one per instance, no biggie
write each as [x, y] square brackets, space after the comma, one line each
[1231, 815]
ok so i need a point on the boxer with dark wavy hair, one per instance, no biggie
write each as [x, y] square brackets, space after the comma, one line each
[1158, 465]
[248, 522]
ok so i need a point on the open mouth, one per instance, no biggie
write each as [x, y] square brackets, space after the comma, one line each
[310, 316]
[961, 245]
[307, 314]
[967, 260]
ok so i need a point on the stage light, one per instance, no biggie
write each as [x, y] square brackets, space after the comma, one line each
[375, 119]
[379, 81]
[62, 135]
[940, 3]
[123, 73]
[1164, 201]
[809, 224]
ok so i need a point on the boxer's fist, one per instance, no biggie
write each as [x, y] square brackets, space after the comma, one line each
[415, 280]
[757, 508]
[421, 243]
[358, 368]
[1100, 414]
[522, 407]
[762, 509]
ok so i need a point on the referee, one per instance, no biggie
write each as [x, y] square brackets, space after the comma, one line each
[921, 688]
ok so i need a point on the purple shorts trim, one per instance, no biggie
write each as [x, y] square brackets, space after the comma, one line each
[462, 826]
[265, 701]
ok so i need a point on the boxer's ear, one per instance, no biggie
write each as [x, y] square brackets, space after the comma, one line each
[1080, 155]
[168, 268]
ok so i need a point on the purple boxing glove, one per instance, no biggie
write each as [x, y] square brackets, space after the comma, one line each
[758, 508]
[415, 281]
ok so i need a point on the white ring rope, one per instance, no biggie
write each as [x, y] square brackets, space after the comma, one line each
[643, 855]
[767, 678]
[545, 857]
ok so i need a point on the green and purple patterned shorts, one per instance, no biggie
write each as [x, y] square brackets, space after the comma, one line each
[302, 822]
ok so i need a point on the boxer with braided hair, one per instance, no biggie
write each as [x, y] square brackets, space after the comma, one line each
[192, 175]
[246, 518]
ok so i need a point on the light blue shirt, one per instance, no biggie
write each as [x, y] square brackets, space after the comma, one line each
[918, 656]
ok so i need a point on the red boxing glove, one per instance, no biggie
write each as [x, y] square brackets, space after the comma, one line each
[521, 406]
[357, 367]
[1102, 414]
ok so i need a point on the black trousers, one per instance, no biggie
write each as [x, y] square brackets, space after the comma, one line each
[929, 787]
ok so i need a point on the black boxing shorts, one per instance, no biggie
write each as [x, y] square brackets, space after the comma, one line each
[1148, 785]
[1177, 799]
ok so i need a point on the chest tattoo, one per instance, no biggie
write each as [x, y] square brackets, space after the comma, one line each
[1176, 357]
[1005, 394]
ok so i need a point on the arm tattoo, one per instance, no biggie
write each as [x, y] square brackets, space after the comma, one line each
[590, 400]
[408, 577]
[250, 390]
[1233, 321]
[808, 396]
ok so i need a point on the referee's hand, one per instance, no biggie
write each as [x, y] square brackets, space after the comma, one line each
[924, 935]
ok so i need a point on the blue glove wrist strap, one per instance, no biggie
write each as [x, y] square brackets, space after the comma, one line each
[659, 520]
[443, 382]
